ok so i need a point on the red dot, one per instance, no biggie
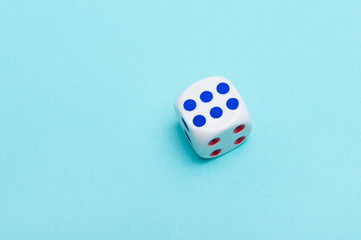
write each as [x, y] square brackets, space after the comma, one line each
[239, 140]
[214, 141]
[215, 153]
[239, 128]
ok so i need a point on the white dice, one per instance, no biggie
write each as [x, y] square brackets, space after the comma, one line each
[213, 116]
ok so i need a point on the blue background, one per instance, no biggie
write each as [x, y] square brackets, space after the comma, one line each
[90, 147]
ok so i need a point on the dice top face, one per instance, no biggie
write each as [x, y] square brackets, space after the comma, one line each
[213, 116]
[210, 105]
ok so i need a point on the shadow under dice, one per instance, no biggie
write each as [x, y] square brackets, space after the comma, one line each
[213, 116]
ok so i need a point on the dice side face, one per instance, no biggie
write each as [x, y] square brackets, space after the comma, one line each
[209, 111]
[192, 139]
[235, 134]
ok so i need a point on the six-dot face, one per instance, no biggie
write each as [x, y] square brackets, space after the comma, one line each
[209, 106]
[215, 111]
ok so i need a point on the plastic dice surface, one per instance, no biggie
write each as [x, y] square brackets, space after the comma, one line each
[213, 116]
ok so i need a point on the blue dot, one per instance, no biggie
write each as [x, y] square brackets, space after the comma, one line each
[190, 105]
[232, 103]
[216, 112]
[206, 96]
[184, 122]
[223, 88]
[187, 136]
[199, 121]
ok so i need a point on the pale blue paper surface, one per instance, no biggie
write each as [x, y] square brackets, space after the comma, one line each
[89, 143]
